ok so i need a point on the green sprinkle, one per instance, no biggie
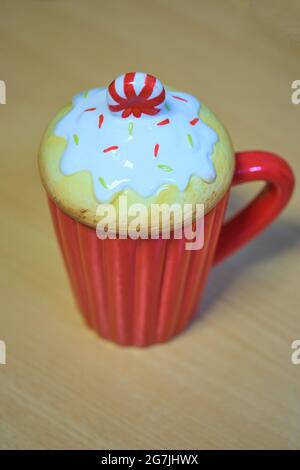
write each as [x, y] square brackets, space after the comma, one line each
[85, 93]
[190, 139]
[76, 139]
[102, 181]
[130, 128]
[165, 167]
[167, 106]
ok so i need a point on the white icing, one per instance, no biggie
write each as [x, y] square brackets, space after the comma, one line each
[133, 164]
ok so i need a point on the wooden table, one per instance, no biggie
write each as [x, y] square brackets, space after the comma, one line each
[228, 381]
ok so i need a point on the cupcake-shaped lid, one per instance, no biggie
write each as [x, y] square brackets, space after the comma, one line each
[136, 138]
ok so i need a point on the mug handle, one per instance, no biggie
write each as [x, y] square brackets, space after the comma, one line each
[264, 208]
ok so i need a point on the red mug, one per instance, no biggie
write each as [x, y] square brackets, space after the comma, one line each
[145, 291]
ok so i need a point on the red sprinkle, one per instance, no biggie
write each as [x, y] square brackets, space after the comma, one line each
[109, 149]
[179, 98]
[101, 119]
[89, 109]
[156, 148]
[163, 123]
[194, 121]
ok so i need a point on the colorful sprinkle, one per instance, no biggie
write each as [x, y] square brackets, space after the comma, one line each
[102, 181]
[156, 149]
[165, 167]
[89, 109]
[109, 149]
[101, 119]
[130, 128]
[76, 139]
[167, 106]
[163, 123]
[194, 121]
[85, 93]
[190, 139]
[179, 98]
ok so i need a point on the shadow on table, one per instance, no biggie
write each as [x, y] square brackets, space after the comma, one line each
[280, 237]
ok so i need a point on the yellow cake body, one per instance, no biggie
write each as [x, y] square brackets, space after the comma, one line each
[75, 195]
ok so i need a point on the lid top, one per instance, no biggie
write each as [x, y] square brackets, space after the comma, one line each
[136, 94]
[137, 135]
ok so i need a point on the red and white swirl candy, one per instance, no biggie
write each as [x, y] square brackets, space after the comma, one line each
[135, 93]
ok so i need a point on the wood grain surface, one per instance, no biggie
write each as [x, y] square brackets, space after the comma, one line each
[228, 381]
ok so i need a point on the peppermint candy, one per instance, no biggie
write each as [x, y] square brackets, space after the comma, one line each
[136, 93]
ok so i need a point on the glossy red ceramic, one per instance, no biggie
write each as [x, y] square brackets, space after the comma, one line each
[141, 292]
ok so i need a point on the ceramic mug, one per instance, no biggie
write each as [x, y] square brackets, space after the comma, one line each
[145, 291]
